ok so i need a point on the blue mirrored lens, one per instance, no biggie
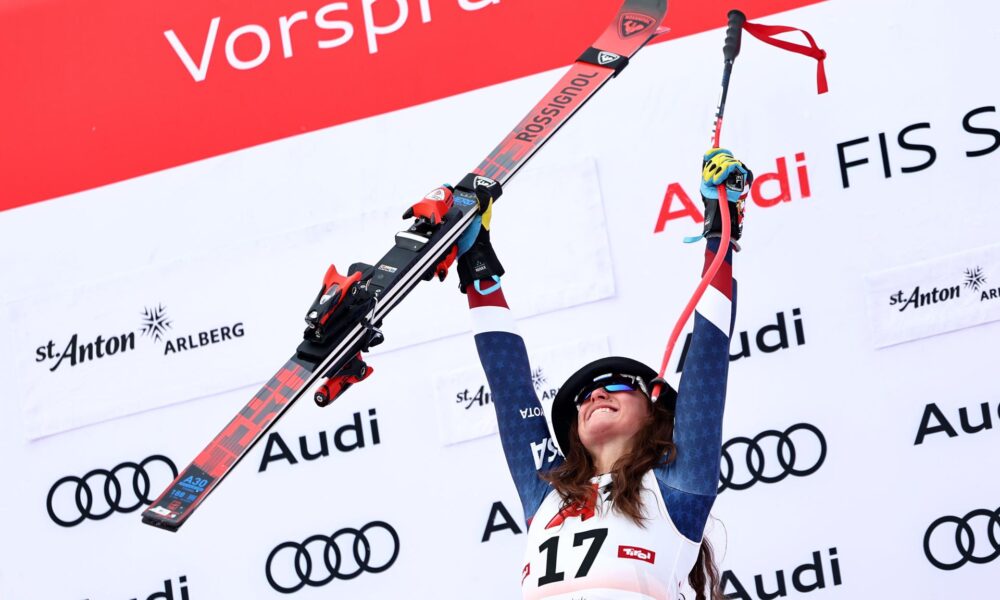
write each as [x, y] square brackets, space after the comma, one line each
[608, 387]
[619, 387]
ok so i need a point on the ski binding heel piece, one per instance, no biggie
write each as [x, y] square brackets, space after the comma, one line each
[353, 371]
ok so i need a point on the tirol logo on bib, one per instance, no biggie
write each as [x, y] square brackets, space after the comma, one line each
[637, 553]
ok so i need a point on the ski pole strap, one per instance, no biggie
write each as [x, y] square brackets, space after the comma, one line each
[603, 58]
[489, 290]
[766, 33]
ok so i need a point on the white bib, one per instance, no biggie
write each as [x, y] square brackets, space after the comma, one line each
[595, 553]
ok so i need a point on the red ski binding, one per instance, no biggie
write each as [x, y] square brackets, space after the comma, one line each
[434, 206]
[352, 372]
[331, 295]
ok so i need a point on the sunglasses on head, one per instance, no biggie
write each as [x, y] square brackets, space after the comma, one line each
[613, 382]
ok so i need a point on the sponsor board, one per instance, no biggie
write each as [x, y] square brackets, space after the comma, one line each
[769, 189]
[126, 345]
[346, 438]
[499, 519]
[953, 541]
[788, 181]
[969, 420]
[465, 402]
[155, 324]
[935, 296]
[822, 571]
[167, 591]
[799, 450]
[323, 558]
[785, 332]
[100, 493]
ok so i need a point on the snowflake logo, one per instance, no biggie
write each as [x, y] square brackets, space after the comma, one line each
[155, 322]
[538, 378]
[974, 278]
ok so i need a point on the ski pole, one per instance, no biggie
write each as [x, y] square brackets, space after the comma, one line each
[730, 51]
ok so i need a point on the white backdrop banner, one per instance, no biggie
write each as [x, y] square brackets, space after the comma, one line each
[855, 466]
[155, 337]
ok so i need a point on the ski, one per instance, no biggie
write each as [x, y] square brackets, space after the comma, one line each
[345, 319]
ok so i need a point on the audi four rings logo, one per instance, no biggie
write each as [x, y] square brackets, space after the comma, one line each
[965, 540]
[117, 500]
[369, 555]
[785, 454]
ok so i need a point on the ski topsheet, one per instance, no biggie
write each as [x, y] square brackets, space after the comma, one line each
[361, 306]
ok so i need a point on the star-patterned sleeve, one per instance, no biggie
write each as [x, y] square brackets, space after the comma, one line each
[523, 431]
[690, 482]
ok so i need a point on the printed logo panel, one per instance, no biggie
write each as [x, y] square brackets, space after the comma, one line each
[636, 553]
[323, 558]
[465, 402]
[130, 344]
[952, 542]
[800, 450]
[354, 435]
[969, 420]
[100, 493]
[936, 296]
[822, 571]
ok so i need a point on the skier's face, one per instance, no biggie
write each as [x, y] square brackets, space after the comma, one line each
[607, 417]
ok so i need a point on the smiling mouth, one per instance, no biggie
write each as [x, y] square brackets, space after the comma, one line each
[606, 409]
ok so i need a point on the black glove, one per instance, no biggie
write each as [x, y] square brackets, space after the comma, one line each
[479, 262]
[476, 258]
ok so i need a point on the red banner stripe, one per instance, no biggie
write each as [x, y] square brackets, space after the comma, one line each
[114, 89]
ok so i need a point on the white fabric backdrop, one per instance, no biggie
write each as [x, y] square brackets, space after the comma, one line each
[892, 64]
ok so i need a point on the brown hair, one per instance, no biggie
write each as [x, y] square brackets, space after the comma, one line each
[652, 446]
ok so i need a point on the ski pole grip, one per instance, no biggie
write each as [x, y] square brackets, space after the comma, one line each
[733, 35]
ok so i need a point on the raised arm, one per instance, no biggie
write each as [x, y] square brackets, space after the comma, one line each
[690, 482]
[523, 432]
[701, 398]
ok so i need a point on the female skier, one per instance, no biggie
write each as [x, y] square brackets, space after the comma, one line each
[623, 514]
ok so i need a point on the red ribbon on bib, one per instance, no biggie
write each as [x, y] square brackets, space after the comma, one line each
[585, 511]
